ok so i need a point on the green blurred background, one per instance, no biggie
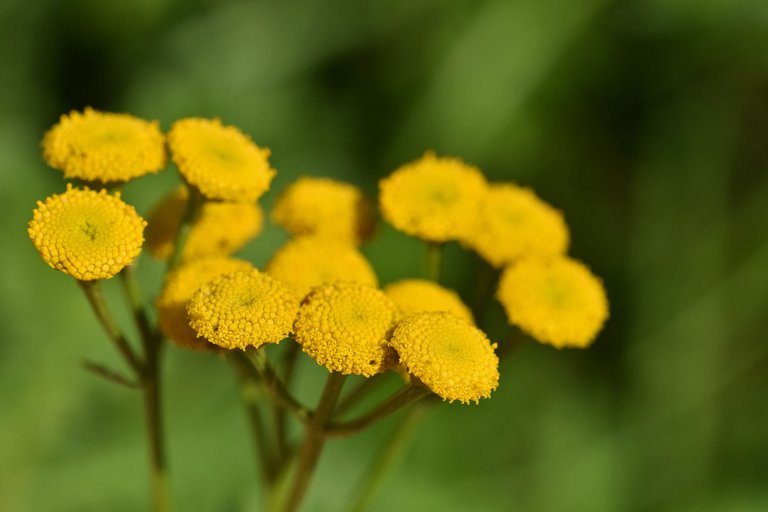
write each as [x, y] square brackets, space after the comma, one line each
[645, 121]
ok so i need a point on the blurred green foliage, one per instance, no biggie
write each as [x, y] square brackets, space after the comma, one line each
[645, 121]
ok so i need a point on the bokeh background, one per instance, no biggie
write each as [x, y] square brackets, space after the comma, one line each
[645, 121]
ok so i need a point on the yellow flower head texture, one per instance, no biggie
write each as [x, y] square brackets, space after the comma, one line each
[220, 228]
[557, 300]
[345, 326]
[180, 284]
[514, 222]
[220, 161]
[86, 234]
[306, 262]
[243, 309]
[420, 295]
[104, 147]
[452, 358]
[324, 207]
[433, 198]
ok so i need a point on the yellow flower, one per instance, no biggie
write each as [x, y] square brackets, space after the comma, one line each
[344, 327]
[324, 207]
[432, 198]
[220, 229]
[220, 161]
[306, 262]
[514, 222]
[86, 234]
[180, 284]
[104, 147]
[556, 300]
[420, 295]
[243, 309]
[454, 359]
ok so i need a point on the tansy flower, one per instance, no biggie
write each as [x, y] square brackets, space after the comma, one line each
[243, 309]
[420, 295]
[219, 229]
[556, 300]
[86, 234]
[432, 198]
[220, 161]
[306, 262]
[324, 207]
[344, 327]
[104, 147]
[452, 358]
[180, 284]
[514, 222]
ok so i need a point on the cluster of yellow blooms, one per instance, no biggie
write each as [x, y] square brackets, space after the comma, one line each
[318, 288]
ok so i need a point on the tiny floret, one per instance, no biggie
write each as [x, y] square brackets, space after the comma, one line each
[220, 161]
[345, 327]
[513, 222]
[306, 262]
[452, 358]
[433, 198]
[324, 207]
[420, 295]
[557, 300]
[219, 229]
[243, 309]
[180, 284]
[86, 234]
[104, 147]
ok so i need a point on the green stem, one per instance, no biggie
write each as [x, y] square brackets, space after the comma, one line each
[281, 425]
[434, 261]
[192, 209]
[314, 441]
[259, 364]
[485, 284]
[359, 392]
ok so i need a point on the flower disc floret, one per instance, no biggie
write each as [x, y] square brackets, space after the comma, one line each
[452, 358]
[104, 147]
[220, 161]
[243, 309]
[306, 262]
[324, 207]
[86, 234]
[558, 301]
[219, 229]
[513, 222]
[419, 295]
[179, 287]
[433, 198]
[345, 326]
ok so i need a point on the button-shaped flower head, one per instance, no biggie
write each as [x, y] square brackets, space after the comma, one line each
[104, 147]
[86, 234]
[324, 207]
[345, 327]
[220, 161]
[180, 284]
[420, 295]
[306, 262]
[558, 300]
[433, 198]
[452, 358]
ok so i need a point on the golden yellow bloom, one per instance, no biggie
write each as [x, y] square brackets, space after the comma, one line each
[180, 284]
[243, 309]
[344, 327]
[556, 300]
[514, 222]
[454, 359]
[104, 147]
[220, 161]
[324, 207]
[220, 229]
[432, 198]
[306, 262]
[86, 234]
[420, 295]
